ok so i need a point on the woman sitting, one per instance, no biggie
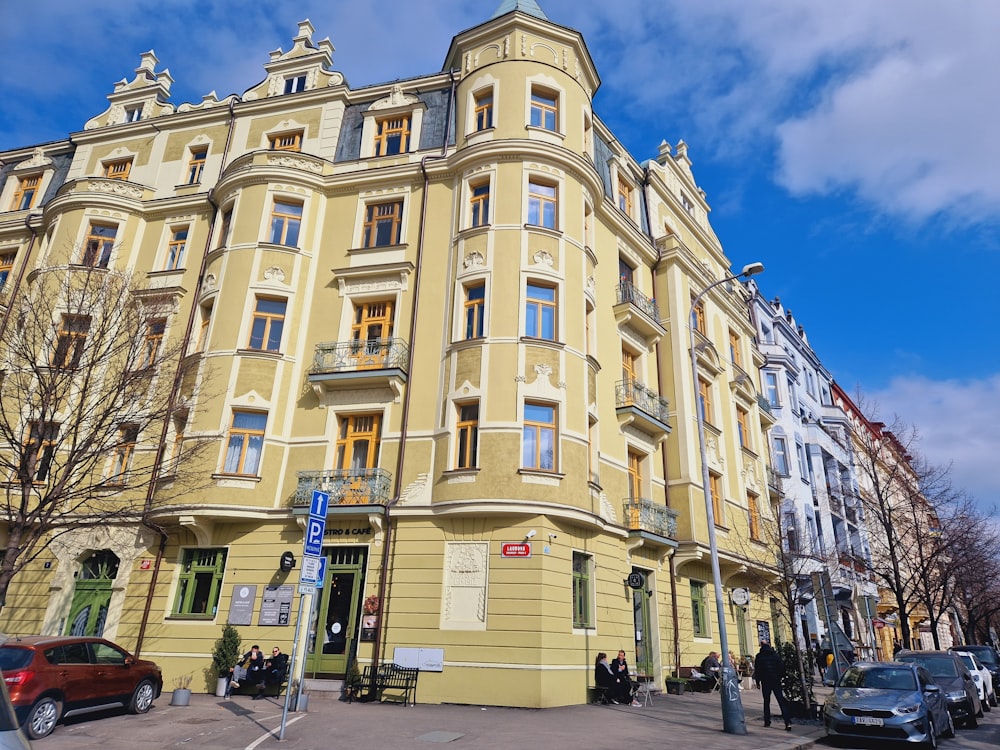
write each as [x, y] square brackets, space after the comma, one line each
[616, 690]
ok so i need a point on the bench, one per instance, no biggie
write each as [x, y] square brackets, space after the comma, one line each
[271, 689]
[392, 682]
[598, 694]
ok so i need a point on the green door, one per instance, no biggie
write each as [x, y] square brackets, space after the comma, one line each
[92, 594]
[335, 620]
[641, 621]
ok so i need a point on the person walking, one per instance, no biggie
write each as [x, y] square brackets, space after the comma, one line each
[768, 669]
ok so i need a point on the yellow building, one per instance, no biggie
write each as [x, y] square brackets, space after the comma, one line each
[455, 304]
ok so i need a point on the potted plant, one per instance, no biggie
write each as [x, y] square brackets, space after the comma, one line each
[676, 685]
[352, 682]
[224, 657]
[182, 691]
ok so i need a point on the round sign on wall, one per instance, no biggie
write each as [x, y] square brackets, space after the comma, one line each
[636, 580]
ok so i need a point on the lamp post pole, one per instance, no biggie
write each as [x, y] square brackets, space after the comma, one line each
[733, 718]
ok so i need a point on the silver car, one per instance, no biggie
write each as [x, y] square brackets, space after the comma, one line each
[888, 700]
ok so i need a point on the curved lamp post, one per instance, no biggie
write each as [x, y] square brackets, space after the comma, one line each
[733, 719]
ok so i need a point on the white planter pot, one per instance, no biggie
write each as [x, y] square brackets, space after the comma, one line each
[180, 697]
[220, 687]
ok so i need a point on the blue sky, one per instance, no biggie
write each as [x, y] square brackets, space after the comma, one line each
[848, 146]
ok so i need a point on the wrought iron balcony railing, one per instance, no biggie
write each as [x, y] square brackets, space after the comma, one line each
[345, 486]
[367, 354]
[628, 293]
[642, 514]
[634, 393]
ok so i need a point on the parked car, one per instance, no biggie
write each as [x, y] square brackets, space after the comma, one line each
[955, 680]
[982, 677]
[888, 700]
[990, 659]
[53, 677]
[11, 736]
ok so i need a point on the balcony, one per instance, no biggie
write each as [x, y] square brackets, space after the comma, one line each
[640, 313]
[345, 487]
[774, 480]
[650, 520]
[642, 408]
[352, 364]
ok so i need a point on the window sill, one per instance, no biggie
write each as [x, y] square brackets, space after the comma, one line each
[536, 129]
[266, 353]
[238, 477]
[278, 246]
[551, 231]
[376, 248]
[472, 231]
[194, 618]
[453, 473]
[468, 343]
[550, 343]
[529, 472]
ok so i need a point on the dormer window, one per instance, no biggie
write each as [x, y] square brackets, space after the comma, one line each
[118, 169]
[294, 84]
[133, 114]
[392, 135]
[27, 191]
[287, 141]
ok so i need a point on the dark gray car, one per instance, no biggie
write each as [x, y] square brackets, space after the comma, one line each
[950, 672]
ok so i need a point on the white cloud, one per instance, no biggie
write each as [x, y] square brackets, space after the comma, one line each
[958, 422]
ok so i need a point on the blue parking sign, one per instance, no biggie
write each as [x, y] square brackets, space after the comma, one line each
[314, 536]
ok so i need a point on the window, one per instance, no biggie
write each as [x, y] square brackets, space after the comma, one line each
[475, 308]
[206, 322]
[6, 266]
[268, 324]
[544, 108]
[479, 203]
[468, 436]
[624, 196]
[699, 615]
[133, 114]
[153, 342]
[294, 84]
[196, 164]
[285, 221]
[626, 274]
[628, 369]
[484, 109]
[122, 460]
[582, 565]
[98, 245]
[781, 456]
[39, 450]
[688, 205]
[118, 170]
[705, 400]
[358, 442]
[70, 341]
[383, 222]
[542, 204]
[27, 191]
[200, 582]
[246, 439]
[540, 312]
[771, 388]
[175, 250]
[742, 427]
[392, 135]
[698, 318]
[287, 141]
[800, 454]
[734, 349]
[715, 488]
[225, 227]
[371, 333]
[634, 475]
[538, 445]
[753, 516]
[791, 534]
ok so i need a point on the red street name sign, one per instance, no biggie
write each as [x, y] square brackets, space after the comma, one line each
[515, 549]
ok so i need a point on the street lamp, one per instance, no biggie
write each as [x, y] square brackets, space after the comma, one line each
[733, 719]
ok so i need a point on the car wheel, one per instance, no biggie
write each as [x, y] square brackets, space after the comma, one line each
[985, 703]
[949, 731]
[980, 712]
[142, 698]
[972, 722]
[42, 718]
[993, 699]
[932, 742]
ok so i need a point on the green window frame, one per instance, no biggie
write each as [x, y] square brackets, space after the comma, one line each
[582, 590]
[699, 614]
[200, 583]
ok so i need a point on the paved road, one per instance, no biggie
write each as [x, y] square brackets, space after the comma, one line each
[688, 722]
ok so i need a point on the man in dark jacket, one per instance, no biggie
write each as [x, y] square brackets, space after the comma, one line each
[768, 669]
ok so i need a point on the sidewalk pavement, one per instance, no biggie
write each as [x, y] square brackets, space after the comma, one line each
[692, 721]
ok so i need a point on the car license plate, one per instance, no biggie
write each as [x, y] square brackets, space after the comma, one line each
[869, 721]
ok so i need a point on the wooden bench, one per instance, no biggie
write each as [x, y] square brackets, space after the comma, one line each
[271, 689]
[392, 682]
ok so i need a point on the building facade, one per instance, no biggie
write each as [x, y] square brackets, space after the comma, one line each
[454, 304]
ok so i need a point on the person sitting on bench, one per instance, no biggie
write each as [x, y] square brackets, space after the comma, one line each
[615, 689]
[274, 670]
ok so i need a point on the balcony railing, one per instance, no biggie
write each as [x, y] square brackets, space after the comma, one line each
[368, 354]
[642, 514]
[628, 293]
[345, 486]
[773, 479]
[634, 393]
[764, 404]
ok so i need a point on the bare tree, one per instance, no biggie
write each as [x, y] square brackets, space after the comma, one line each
[975, 565]
[91, 382]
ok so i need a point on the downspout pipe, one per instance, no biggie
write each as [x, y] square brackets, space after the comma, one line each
[174, 391]
[379, 643]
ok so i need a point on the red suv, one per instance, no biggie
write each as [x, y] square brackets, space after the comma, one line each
[51, 677]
